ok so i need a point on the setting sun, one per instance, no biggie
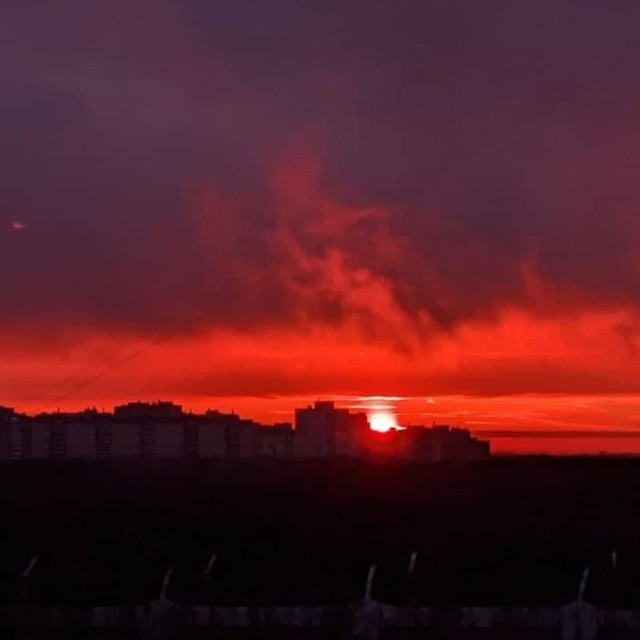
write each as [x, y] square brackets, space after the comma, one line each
[382, 421]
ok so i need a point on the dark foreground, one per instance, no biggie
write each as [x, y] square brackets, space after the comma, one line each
[508, 533]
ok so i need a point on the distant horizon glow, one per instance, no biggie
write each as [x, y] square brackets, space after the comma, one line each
[514, 425]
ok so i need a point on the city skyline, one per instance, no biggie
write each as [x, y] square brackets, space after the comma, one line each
[164, 430]
[514, 437]
[259, 202]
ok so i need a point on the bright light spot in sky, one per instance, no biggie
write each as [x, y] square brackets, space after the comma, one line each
[382, 421]
[18, 226]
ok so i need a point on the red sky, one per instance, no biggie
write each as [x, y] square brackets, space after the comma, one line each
[255, 205]
[479, 378]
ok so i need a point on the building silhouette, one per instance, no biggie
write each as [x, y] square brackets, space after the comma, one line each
[162, 430]
[324, 431]
[441, 442]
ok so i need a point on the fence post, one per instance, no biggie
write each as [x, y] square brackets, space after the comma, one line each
[585, 625]
[368, 615]
[160, 610]
[24, 581]
[411, 590]
[412, 563]
[207, 573]
[370, 578]
[165, 584]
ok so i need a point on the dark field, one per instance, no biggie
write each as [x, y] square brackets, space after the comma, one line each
[506, 532]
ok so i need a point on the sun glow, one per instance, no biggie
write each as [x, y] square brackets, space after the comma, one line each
[382, 421]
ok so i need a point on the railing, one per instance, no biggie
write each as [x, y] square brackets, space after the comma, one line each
[365, 617]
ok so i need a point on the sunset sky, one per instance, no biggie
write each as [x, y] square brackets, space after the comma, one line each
[433, 206]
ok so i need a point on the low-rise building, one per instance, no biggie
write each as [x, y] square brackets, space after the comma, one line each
[440, 442]
[148, 410]
[274, 442]
[122, 439]
[163, 439]
[210, 440]
[36, 440]
[8, 433]
[81, 440]
[324, 431]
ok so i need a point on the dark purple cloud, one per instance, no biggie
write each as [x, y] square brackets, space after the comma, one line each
[139, 142]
